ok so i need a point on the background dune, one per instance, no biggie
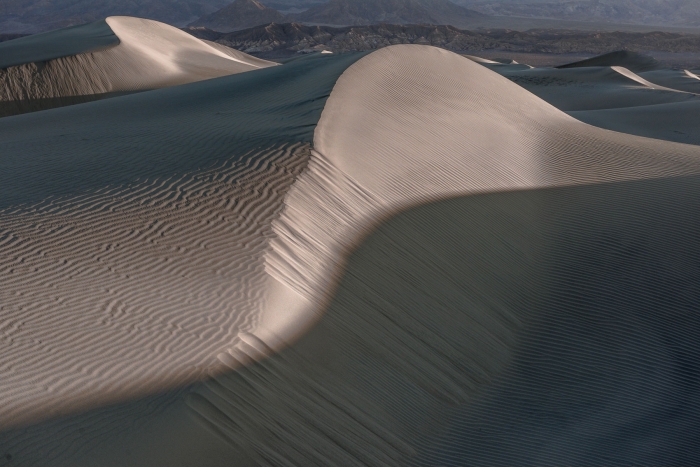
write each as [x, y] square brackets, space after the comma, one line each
[108, 58]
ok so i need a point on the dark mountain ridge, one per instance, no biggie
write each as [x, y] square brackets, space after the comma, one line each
[240, 14]
[365, 12]
[285, 40]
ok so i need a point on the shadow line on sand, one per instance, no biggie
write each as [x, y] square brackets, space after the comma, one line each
[543, 327]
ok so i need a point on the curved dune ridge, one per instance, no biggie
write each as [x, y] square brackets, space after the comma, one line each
[406, 126]
[147, 55]
[324, 346]
[410, 125]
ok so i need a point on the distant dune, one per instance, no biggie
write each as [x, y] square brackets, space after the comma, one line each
[632, 61]
[112, 57]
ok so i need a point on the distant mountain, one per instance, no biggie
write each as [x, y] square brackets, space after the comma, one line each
[240, 14]
[365, 12]
[286, 40]
[29, 16]
[653, 12]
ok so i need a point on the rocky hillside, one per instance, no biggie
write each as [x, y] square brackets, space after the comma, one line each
[240, 14]
[284, 40]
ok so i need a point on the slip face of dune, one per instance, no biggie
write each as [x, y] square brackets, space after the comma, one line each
[147, 55]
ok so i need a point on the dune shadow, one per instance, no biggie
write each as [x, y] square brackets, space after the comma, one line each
[543, 327]
[9, 108]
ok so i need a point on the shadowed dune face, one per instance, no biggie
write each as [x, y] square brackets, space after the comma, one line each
[451, 246]
[546, 327]
[57, 44]
[143, 55]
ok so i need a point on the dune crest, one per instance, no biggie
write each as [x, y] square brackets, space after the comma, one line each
[414, 124]
[148, 55]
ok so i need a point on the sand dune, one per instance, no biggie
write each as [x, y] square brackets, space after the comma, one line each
[633, 61]
[356, 299]
[592, 88]
[417, 326]
[682, 80]
[108, 58]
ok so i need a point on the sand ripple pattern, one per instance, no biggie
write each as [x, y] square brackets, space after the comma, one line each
[134, 288]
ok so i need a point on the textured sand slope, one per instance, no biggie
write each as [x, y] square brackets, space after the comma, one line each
[657, 104]
[57, 44]
[133, 234]
[428, 317]
[429, 312]
[148, 55]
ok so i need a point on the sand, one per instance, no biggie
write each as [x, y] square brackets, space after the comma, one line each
[371, 285]
[109, 58]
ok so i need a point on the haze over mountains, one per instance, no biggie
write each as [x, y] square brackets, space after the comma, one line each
[43, 15]
[657, 12]
[29, 16]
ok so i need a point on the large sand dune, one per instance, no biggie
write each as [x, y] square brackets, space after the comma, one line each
[112, 57]
[389, 289]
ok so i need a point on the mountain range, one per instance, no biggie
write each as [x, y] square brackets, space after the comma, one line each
[654, 12]
[31, 16]
[242, 14]
[285, 40]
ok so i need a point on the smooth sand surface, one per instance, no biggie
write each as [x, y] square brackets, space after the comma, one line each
[592, 88]
[633, 61]
[682, 80]
[144, 55]
[57, 44]
[381, 297]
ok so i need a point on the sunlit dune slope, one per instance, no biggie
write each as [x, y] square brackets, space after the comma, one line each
[118, 55]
